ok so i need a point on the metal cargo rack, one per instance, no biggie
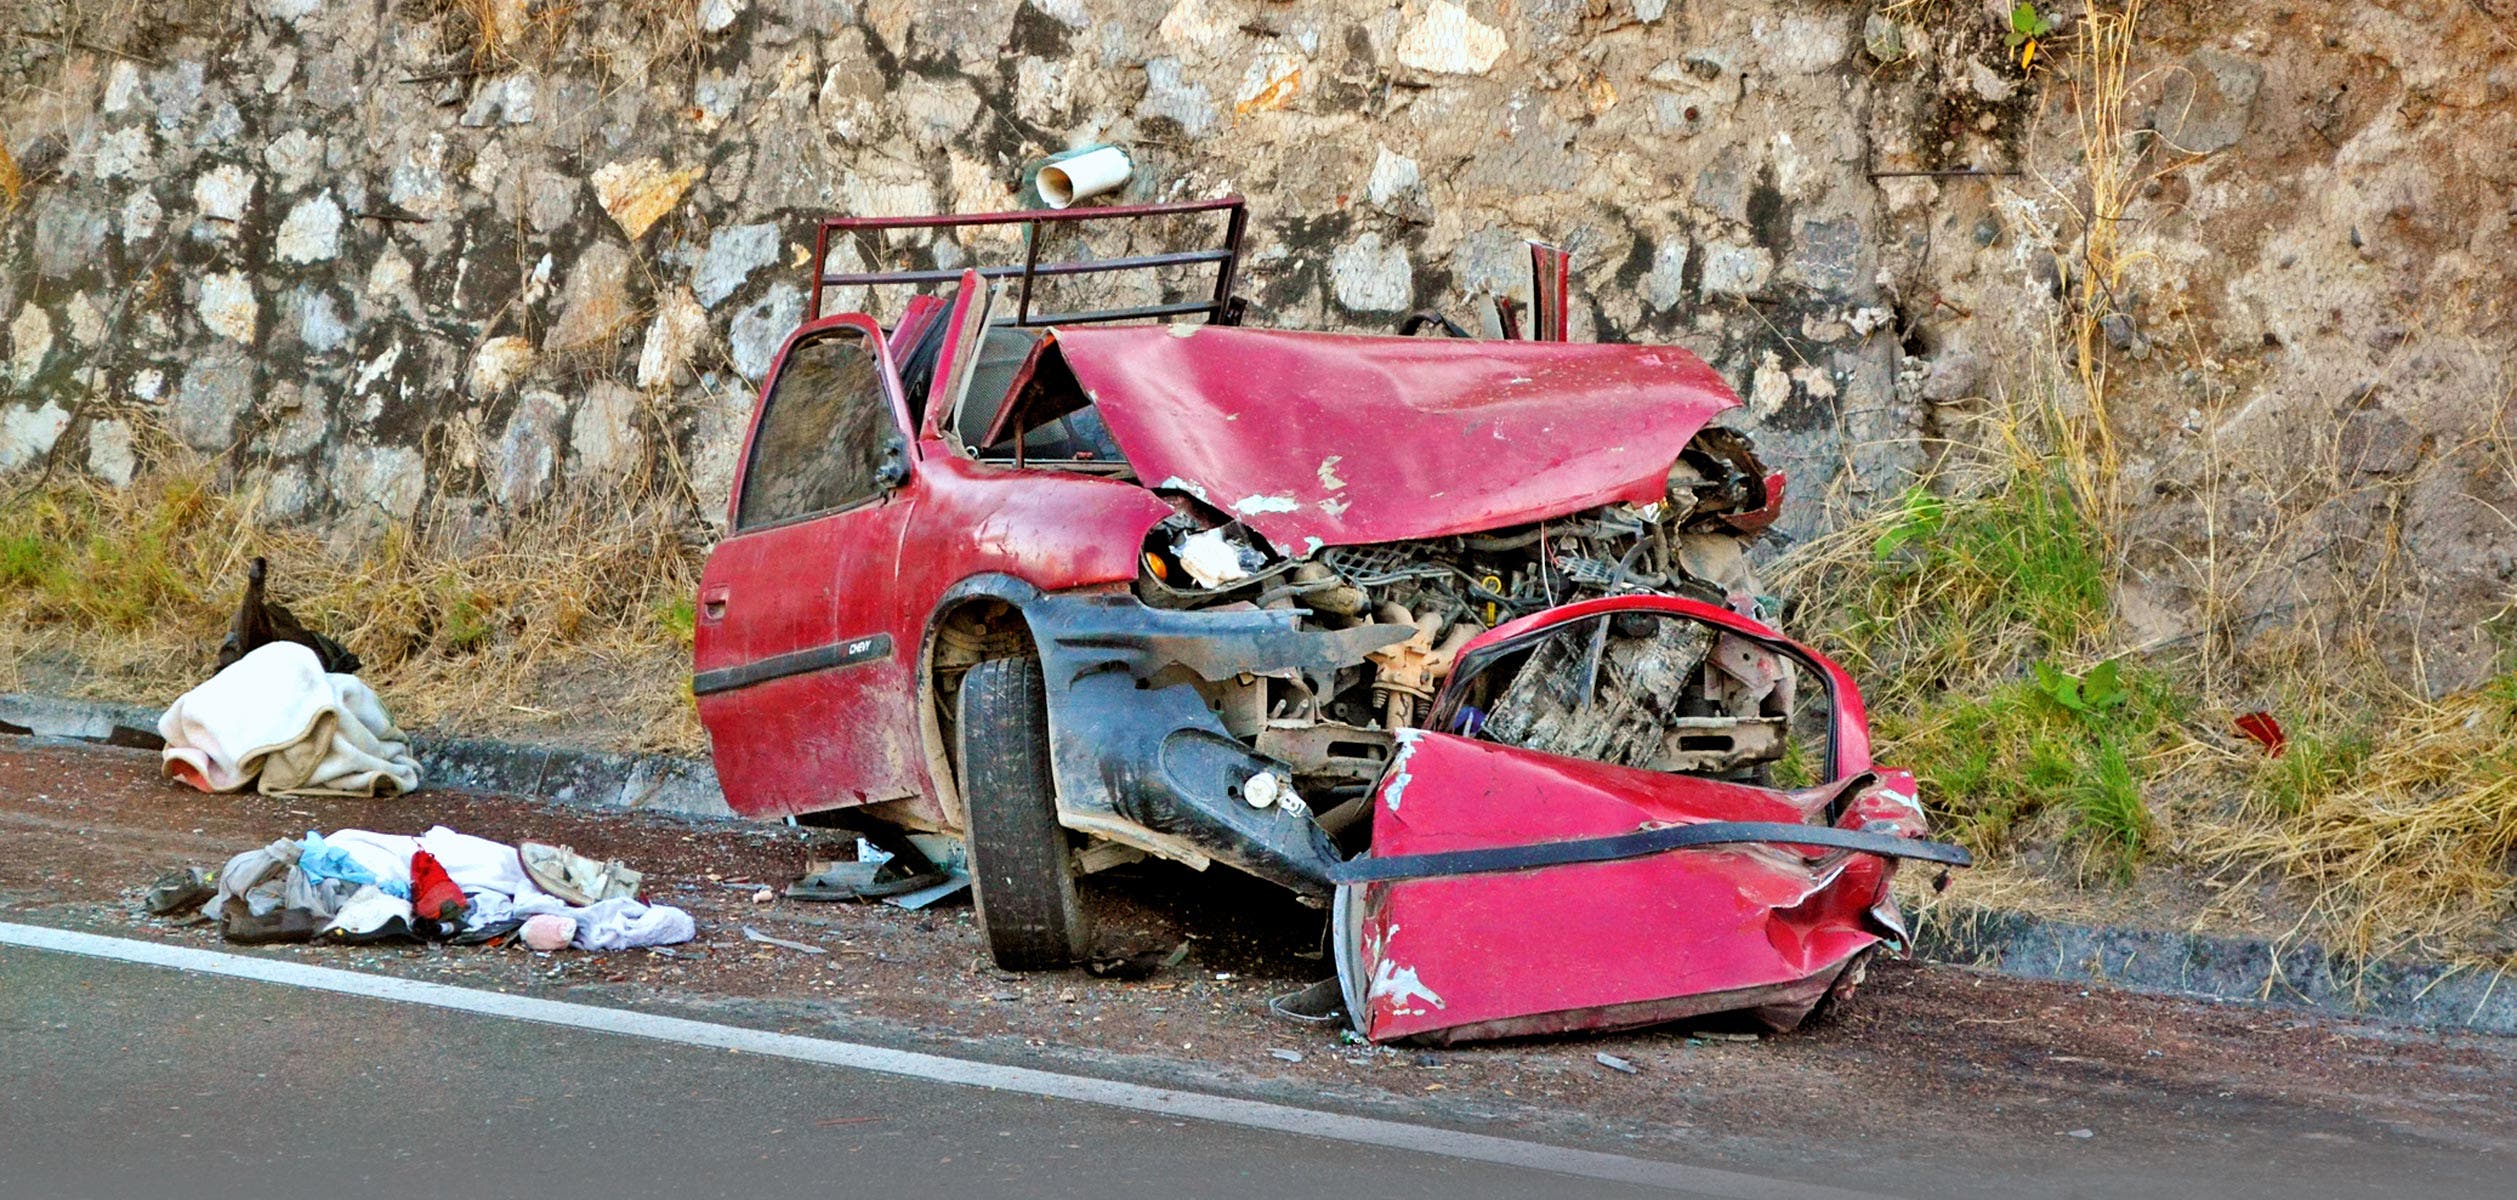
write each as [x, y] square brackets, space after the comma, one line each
[1222, 308]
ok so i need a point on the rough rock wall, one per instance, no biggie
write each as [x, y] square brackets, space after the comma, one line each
[385, 277]
[447, 259]
[2311, 344]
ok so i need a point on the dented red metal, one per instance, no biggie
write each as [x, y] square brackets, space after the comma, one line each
[1765, 929]
[1316, 439]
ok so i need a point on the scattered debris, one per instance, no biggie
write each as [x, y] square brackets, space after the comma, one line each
[2264, 730]
[908, 875]
[1291, 1056]
[179, 889]
[1134, 964]
[359, 887]
[782, 943]
[1614, 1063]
[1322, 1003]
[876, 878]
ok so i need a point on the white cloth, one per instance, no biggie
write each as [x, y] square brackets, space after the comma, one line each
[615, 924]
[477, 863]
[275, 714]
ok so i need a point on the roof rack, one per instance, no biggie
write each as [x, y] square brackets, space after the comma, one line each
[1223, 308]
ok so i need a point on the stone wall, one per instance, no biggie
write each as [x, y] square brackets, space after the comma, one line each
[446, 260]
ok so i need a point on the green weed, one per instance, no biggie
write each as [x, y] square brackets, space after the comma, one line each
[679, 618]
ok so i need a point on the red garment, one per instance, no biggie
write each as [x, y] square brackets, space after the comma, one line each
[434, 895]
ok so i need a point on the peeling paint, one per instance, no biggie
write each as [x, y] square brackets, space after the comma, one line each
[1396, 789]
[1906, 799]
[1400, 986]
[1177, 484]
[1253, 505]
[1335, 507]
[1328, 472]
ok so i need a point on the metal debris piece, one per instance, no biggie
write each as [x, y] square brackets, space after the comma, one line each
[780, 942]
[1614, 1063]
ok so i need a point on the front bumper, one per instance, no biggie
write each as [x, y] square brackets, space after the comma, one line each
[1129, 752]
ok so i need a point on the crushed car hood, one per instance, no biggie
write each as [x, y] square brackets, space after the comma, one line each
[1316, 439]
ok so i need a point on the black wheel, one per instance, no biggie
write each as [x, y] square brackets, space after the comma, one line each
[1021, 873]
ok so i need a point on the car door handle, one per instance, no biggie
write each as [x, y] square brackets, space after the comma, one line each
[712, 603]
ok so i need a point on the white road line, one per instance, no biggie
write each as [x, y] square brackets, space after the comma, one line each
[1167, 1102]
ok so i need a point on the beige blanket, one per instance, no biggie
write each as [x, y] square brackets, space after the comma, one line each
[276, 717]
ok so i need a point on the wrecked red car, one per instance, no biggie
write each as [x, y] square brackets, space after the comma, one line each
[1456, 636]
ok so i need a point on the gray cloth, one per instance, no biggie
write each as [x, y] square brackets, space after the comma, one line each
[250, 870]
[322, 897]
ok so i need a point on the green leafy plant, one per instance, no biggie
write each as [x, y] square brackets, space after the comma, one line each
[2027, 27]
[2091, 695]
[1919, 515]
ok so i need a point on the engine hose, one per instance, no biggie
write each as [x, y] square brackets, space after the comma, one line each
[1496, 545]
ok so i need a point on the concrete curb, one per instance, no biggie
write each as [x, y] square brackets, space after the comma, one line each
[2244, 970]
[2241, 970]
[593, 778]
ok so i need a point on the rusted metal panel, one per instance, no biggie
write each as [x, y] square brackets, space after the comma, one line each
[1328, 439]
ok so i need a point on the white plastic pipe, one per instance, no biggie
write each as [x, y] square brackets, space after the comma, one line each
[1092, 173]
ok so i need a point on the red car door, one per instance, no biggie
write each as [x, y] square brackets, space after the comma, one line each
[802, 678]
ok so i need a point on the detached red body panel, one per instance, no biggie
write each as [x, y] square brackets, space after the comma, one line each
[1322, 439]
[1598, 946]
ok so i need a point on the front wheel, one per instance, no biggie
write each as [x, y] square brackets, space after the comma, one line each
[1021, 873]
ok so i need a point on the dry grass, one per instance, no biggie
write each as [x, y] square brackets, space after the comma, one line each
[2402, 836]
[504, 34]
[574, 619]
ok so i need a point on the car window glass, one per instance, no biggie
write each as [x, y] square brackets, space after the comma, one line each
[823, 441]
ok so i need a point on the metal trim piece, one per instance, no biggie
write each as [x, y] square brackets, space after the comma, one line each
[850, 653]
[1640, 844]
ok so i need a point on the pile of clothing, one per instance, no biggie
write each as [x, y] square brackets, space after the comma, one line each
[356, 887]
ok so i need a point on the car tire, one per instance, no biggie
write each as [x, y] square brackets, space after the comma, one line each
[1022, 874]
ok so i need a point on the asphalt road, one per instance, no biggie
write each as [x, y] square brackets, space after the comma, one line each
[133, 1081]
[137, 1079]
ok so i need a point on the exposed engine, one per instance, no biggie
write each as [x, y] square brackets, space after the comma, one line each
[1636, 691]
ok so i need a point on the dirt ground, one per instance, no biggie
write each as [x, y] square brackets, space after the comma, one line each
[1967, 1058]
